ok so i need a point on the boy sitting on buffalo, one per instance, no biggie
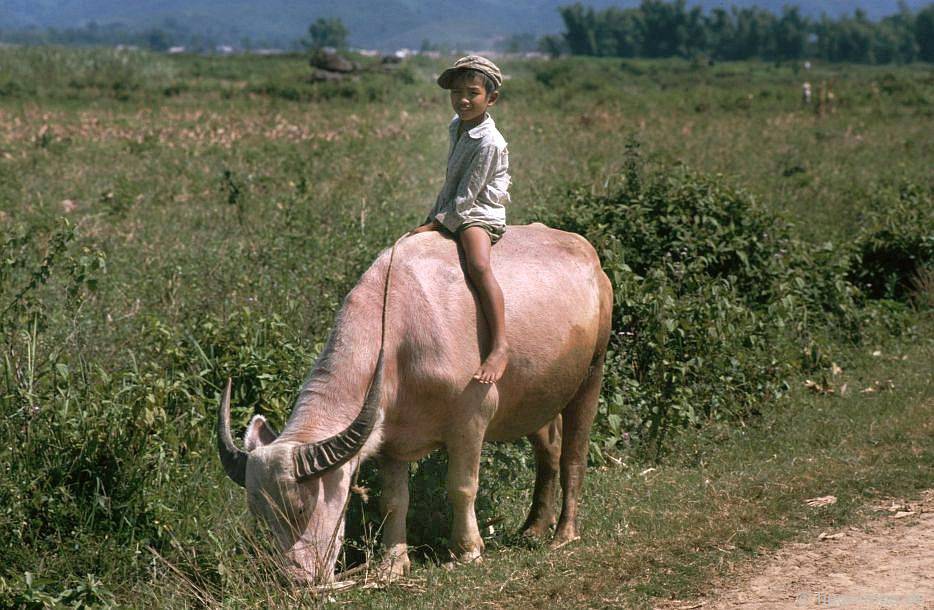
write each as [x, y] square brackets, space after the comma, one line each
[472, 203]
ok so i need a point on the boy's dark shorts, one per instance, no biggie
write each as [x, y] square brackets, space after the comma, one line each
[494, 231]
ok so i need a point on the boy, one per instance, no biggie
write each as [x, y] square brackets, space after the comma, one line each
[471, 205]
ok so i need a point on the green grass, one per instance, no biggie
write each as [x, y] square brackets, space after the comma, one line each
[218, 209]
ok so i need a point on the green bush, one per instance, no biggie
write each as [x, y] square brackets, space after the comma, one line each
[897, 243]
[714, 302]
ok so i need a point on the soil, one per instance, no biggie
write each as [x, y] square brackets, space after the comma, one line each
[889, 563]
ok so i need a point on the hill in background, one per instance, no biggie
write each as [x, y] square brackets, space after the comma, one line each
[387, 25]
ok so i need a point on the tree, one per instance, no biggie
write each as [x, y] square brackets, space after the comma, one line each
[580, 23]
[553, 45]
[158, 40]
[721, 27]
[625, 27]
[924, 33]
[895, 38]
[752, 32]
[696, 38]
[667, 28]
[790, 34]
[327, 33]
[663, 27]
[847, 39]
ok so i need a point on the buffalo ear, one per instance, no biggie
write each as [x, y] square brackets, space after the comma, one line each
[258, 433]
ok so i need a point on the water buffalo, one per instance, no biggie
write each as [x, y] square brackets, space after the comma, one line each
[415, 394]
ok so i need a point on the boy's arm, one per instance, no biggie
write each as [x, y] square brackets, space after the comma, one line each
[429, 224]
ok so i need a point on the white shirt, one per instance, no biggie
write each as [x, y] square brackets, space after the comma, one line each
[476, 185]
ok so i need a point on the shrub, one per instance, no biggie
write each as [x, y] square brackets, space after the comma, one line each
[897, 244]
[714, 301]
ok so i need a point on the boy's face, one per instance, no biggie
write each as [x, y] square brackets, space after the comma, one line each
[469, 98]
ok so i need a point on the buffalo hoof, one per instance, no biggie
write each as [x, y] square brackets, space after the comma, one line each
[560, 541]
[467, 557]
[391, 568]
[537, 529]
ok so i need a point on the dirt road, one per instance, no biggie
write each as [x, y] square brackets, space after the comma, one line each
[887, 564]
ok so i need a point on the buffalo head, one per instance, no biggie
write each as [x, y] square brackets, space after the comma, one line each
[299, 490]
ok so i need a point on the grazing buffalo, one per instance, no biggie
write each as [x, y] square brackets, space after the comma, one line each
[399, 385]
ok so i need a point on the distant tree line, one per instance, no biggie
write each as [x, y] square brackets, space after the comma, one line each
[92, 34]
[171, 32]
[657, 28]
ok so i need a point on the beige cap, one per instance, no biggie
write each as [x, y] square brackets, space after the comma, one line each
[471, 62]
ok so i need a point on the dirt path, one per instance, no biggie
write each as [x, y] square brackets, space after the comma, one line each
[887, 564]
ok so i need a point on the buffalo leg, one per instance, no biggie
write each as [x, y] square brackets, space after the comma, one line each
[546, 445]
[463, 480]
[577, 418]
[394, 503]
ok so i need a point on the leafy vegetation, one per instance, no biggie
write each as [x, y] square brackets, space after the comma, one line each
[327, 33]
[898, 246]
[716, 299]
[665, 29]
[167, 222]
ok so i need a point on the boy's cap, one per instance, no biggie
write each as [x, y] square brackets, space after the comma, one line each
[471, 62]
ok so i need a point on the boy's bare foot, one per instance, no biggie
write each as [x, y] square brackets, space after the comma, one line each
[494, 366]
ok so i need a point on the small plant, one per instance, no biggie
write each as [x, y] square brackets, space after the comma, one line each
[33, 591]
[233, 191]
[897, 244]
[922, 285]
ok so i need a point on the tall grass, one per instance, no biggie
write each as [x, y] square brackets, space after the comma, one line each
[60, 72]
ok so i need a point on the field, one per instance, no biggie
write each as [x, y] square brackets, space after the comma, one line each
[169, 222]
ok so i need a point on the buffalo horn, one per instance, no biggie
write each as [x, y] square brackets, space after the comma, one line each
[232, 457]
[319, 457]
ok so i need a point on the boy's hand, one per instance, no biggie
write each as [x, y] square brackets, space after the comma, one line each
[434, 225]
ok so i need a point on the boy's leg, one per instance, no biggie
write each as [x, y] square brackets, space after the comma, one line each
[476, 244]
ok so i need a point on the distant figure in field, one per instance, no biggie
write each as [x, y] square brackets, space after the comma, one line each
[806, 93]
[825, 99]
